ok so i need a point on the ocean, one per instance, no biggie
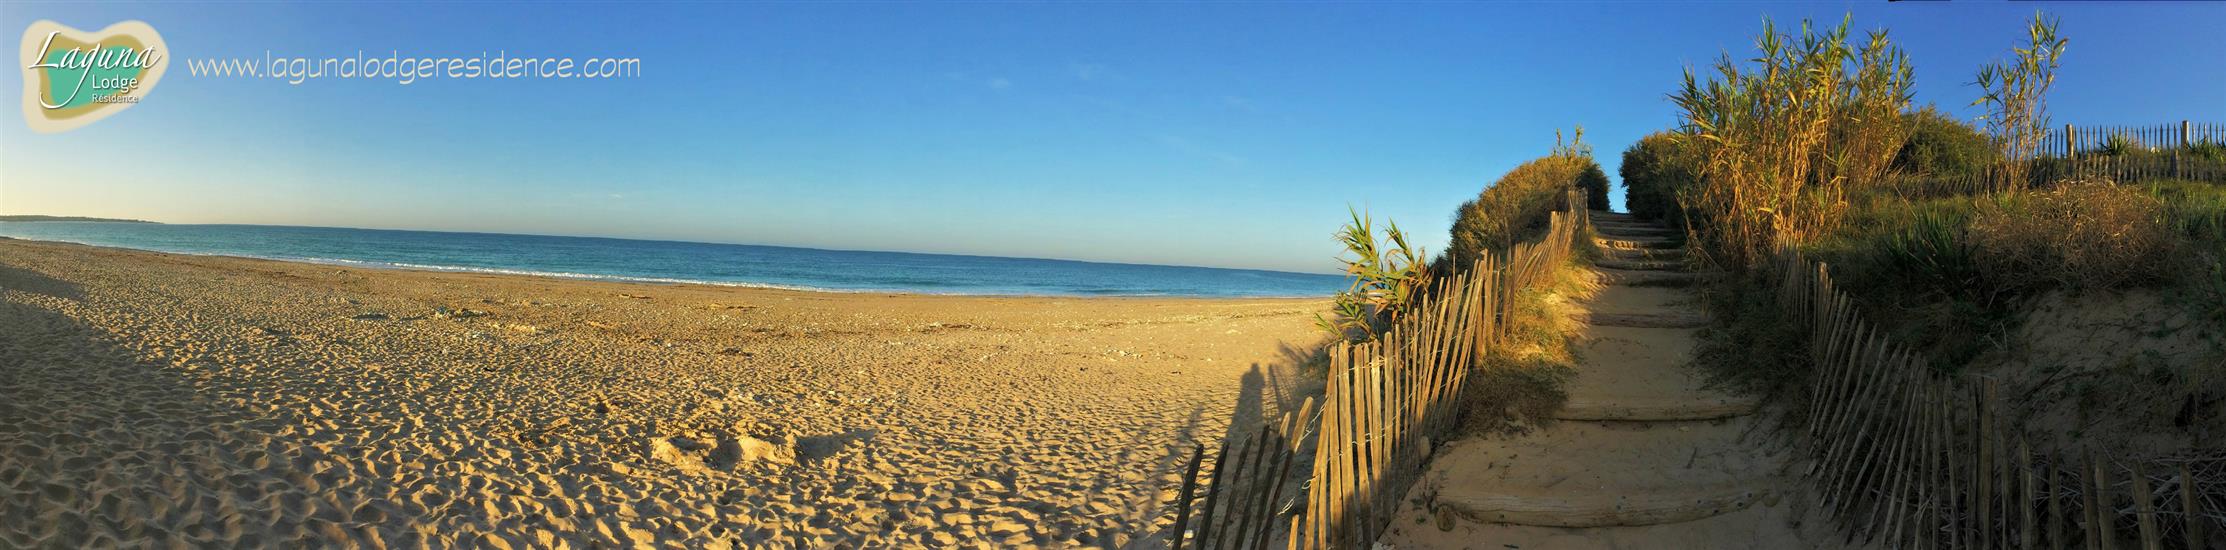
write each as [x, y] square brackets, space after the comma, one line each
[683, 262]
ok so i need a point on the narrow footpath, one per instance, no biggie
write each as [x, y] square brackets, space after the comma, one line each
[1642, 455]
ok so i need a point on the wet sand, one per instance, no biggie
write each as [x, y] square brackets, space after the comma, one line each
[162, 399]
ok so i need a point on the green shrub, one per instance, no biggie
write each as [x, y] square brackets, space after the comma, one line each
[1594, 181]
[1905, 244]
[1515, 208]
[2195, 211]
[2206, 150]
[1929, 247]
[2120, 145]
[1910, 265]
[1653, 170]
[1942, 147]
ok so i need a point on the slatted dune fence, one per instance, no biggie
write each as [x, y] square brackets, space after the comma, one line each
[1389, 398]
[2074, 140]
[2142, 153]
[2133, 153]
[1247, 487]
[1386, 403]
[1902, 455]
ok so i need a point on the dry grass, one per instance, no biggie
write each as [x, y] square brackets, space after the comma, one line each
[2085, 234]
[1520, 385]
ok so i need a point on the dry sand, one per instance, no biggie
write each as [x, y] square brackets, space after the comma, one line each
[162, 399]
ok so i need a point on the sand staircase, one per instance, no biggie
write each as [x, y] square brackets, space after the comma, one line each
[1643, 455]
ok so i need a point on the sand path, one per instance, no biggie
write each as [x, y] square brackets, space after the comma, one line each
[1643, 454]
[155, 399]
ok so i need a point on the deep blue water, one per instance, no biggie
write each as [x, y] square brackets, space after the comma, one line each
[682, 262]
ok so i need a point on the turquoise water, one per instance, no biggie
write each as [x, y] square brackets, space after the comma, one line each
[683, 262]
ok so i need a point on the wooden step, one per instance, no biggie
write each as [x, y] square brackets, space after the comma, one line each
[1643, 254]
[1643, 374]
[1608, 474]
[1627, 277]
[1640, 265]
[1609, 510]
[1678, 319]
[1658, 409]
[1638, 242]
[1633, 230]
[1636, 233]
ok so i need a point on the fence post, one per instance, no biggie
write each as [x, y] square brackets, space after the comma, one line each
[1190, 483]
[2090, 505]
[2105, 509]
[2187, 506]
[2055, 504]
[2183, 134]
[1983, 470]
[2071, 142]
[2029, 533]
[2145, 508]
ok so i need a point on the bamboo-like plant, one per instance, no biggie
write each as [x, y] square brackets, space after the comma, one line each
[1780, 141]
[1872, 127]
[2015, 95]
[1387, 278]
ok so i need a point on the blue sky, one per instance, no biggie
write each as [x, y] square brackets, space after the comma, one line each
[1231, 134]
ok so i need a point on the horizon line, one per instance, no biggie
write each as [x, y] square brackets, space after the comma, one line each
[794, 247]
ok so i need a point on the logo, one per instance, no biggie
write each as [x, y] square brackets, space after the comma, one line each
[72, 78]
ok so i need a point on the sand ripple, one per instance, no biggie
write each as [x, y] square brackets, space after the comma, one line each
[153, 400]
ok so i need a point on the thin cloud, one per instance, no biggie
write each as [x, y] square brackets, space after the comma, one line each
[1240, 103]
[994, 82]
[1186, 146]
[1089, 71]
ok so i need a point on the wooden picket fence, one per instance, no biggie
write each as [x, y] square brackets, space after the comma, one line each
[2072, 141]
[1387, 404]
[2142, 153]
[1247, 488]
[1903, 455]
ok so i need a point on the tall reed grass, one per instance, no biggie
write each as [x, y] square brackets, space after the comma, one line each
[2015, 97]
[1781, 137]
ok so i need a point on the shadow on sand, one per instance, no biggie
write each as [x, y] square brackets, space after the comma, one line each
[1265, 393]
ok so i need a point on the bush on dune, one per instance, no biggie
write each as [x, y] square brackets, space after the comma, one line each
[1518, 206]
[2084, 234]
[1654, 170]
[1949, 273]
[1942, 147]
[1594, 181]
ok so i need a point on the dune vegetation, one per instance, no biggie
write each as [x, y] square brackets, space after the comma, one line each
[1964, 239]
[1514, 208]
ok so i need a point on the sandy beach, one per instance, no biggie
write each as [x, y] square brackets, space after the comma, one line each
[156, 399]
